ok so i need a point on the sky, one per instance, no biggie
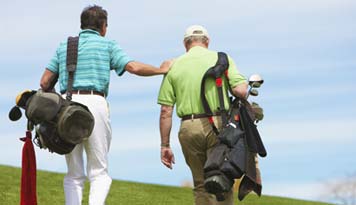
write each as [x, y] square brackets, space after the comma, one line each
[304, 50]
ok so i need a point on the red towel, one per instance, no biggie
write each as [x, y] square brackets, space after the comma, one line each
[28, 178]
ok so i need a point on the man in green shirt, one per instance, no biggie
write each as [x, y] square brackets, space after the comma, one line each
[181, 86]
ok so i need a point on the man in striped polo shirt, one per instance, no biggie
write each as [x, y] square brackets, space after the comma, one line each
[96, 57]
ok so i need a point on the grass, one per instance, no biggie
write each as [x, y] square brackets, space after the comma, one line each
[50, 191]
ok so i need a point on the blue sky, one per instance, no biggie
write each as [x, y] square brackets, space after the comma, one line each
[305, 50]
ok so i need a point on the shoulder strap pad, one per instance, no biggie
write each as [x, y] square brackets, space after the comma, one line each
[72, 53]
[215, 72]
[71, 63]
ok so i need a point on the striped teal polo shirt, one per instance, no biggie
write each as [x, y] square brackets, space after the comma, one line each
[96, 57]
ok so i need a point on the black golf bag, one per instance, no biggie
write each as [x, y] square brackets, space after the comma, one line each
[239, 141]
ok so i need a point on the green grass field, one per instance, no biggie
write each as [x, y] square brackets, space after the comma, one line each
[50, 191]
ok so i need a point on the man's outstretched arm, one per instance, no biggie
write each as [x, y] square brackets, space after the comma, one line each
[165, 125]
[143, 69]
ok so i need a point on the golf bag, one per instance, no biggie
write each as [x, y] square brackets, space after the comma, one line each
[60, 123]
[234, 155]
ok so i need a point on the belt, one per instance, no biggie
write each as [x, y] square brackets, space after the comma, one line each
[197, 116]
[86, 92]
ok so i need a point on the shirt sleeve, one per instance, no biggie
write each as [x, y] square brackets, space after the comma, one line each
[166, 94]
[53, 65]
[118, 59]
[235, 77]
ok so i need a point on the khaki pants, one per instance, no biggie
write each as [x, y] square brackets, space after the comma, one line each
[197, 138]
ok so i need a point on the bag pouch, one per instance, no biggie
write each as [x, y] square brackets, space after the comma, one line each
[231, 133]
[43, 106]
[75, 123]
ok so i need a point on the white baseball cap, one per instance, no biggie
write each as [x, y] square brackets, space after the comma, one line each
[196, 30]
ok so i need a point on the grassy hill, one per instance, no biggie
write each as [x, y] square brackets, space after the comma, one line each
[50, 191]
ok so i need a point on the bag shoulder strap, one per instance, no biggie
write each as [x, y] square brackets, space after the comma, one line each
[71, 63]
[216, 72]
[223, 65]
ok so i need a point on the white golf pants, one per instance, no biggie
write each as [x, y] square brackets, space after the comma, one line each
[96, 149]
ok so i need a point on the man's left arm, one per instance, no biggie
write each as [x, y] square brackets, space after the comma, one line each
[165, 125]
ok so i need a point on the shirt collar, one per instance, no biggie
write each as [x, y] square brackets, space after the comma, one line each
[197, 49]
[89, 31]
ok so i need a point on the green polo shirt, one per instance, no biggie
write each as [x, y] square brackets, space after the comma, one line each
[181, 85]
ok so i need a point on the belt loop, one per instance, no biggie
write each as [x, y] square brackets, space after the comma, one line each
[91, 92]
[192, 117]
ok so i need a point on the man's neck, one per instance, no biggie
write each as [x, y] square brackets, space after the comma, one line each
[196, 44]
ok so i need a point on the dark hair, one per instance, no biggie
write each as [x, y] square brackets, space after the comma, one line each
[93, 17]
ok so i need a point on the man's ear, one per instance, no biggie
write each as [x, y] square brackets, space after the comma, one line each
[185, 43]
[103, 29]
[207, 43]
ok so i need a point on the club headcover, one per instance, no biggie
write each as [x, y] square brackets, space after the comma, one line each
[21, 100]
[15, 113]
[23, 97]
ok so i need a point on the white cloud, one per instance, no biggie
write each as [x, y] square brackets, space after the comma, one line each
[309, 130]
[174, 16]
[140, 136]
[12, 153]
[304, 92]
[307, 191]
[133, 85]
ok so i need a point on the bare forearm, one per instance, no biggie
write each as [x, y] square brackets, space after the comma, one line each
[165, 124]
[48, 80]
[142, 69]
[240, 90]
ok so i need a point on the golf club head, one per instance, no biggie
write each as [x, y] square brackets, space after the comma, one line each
[255, 81]
[253, 92]
[15, 113]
